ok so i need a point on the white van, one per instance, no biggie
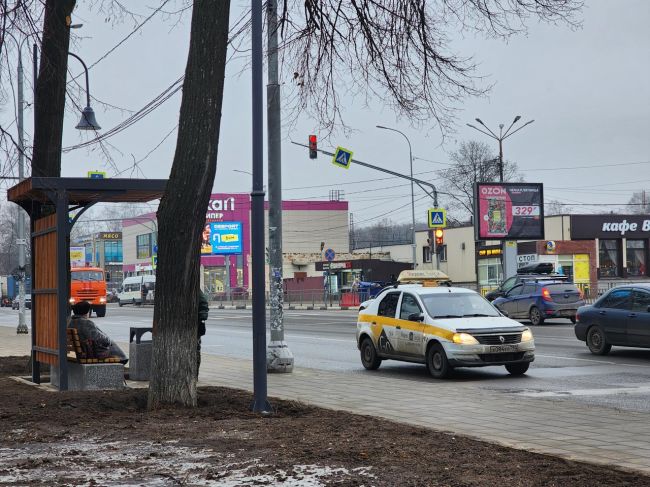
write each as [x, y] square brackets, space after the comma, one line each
[131, 291]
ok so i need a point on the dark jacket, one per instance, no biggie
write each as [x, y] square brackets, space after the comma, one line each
[94, 342]
[204, 308]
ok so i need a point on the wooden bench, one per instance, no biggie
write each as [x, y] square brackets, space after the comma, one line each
[74, 347]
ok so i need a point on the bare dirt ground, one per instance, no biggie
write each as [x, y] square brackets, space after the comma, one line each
[109, 438]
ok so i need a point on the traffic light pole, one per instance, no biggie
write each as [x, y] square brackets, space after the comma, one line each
[433, 193]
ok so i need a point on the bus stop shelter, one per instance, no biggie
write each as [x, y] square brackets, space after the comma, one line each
[49, 202]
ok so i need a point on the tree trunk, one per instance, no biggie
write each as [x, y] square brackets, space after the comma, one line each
[50, 89]
[181, 215]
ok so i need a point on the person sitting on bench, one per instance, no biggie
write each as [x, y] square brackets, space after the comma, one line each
[94, 342]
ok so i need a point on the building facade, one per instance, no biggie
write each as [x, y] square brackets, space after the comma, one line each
[597, 251]
[307, 226]
[104, 249]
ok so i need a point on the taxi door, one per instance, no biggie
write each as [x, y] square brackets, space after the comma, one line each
[387, 340]
[410, 332]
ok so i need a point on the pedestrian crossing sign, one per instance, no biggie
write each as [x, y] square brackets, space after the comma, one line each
[342, 158]
[437, 218]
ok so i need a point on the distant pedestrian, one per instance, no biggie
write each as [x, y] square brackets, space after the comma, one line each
[144, 290]
[204, 309]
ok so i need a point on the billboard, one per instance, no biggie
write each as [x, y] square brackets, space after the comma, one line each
[508, 211]
[226, 238]
[77, 256]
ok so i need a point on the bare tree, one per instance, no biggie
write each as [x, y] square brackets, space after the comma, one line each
[474, 162]
[397, 51]
[9, 249]
[555, 207]
[640, 202]
[182, 209]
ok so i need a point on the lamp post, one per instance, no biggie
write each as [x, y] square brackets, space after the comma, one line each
[501, 137]
[21, 240]
[88, 121]
[412, 191]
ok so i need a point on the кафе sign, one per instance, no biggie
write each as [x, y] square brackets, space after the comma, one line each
[610, 226]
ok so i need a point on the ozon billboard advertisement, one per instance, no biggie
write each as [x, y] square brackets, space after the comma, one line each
[509, 211]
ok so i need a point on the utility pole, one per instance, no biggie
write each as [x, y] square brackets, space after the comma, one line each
[278, 356]
[22, 240]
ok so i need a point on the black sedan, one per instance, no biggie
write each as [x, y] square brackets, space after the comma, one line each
[620, 317]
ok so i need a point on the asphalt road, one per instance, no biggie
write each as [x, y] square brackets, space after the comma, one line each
[564, 369]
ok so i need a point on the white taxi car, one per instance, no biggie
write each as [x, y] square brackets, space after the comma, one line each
[419, 320]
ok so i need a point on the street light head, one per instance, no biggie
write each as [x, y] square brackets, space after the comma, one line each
[501, 126]
[88, 121]
[381, 127]
[76, 26]
[479, 121]
[517, 118]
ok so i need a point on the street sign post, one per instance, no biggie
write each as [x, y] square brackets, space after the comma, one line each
[342, 158]
[330, 254]
[437, 217]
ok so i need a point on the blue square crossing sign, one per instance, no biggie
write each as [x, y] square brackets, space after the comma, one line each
[437, 218]
[342, 158]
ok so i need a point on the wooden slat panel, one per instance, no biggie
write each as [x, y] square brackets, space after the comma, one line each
[45, 305]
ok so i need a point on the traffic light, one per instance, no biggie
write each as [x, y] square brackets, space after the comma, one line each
[440, 237]
[313, 147]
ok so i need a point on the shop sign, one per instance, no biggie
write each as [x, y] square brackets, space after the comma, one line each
[609, 226]
[110, 235]
[509, 211]
[526, 259]
[339, 265]
[77, 256]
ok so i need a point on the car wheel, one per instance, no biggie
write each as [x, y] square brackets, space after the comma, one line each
[573, 320]
[596, 341]
[437, 362]
[120, 303]
[517, 369]
[535, 316]
[101, 311]
[369, 357]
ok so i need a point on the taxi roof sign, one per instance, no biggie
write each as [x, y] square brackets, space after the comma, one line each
[427, 276]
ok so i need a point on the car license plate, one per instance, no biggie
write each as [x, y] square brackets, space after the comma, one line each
[503, 348]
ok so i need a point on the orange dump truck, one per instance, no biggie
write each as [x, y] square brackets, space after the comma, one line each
[89, 284]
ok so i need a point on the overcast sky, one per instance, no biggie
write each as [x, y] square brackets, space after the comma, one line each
[588, 91]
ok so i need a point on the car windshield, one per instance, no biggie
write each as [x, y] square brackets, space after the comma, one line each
[457, 305]
[87, 276]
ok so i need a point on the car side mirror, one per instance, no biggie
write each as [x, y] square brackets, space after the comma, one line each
[416, 317]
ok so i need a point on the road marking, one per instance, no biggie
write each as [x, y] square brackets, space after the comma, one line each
[588, 392]
[605, 362]
[248, 333]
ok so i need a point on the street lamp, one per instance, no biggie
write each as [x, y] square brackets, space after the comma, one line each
[501, 137]
[88, 121]
[412, 190]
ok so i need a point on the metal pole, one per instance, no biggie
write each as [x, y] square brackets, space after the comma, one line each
[278, 357]
[260, 402]
[500, 160]
[413, 246]
[22, 242]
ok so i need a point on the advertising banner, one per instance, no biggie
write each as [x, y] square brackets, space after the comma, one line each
[509, 211]
[226, 238]
[77, 256]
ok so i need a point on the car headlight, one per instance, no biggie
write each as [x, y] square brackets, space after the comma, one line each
[464, 339]
[71, 300]
[102, 300]
[527, 335]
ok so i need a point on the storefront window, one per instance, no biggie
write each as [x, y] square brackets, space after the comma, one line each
[609, 254]
[112, 251]
[565, 266]
[214, 279]
[489, 272]
[143, 246]
[636, 251]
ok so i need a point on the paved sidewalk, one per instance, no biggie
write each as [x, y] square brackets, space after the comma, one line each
[561, 428]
